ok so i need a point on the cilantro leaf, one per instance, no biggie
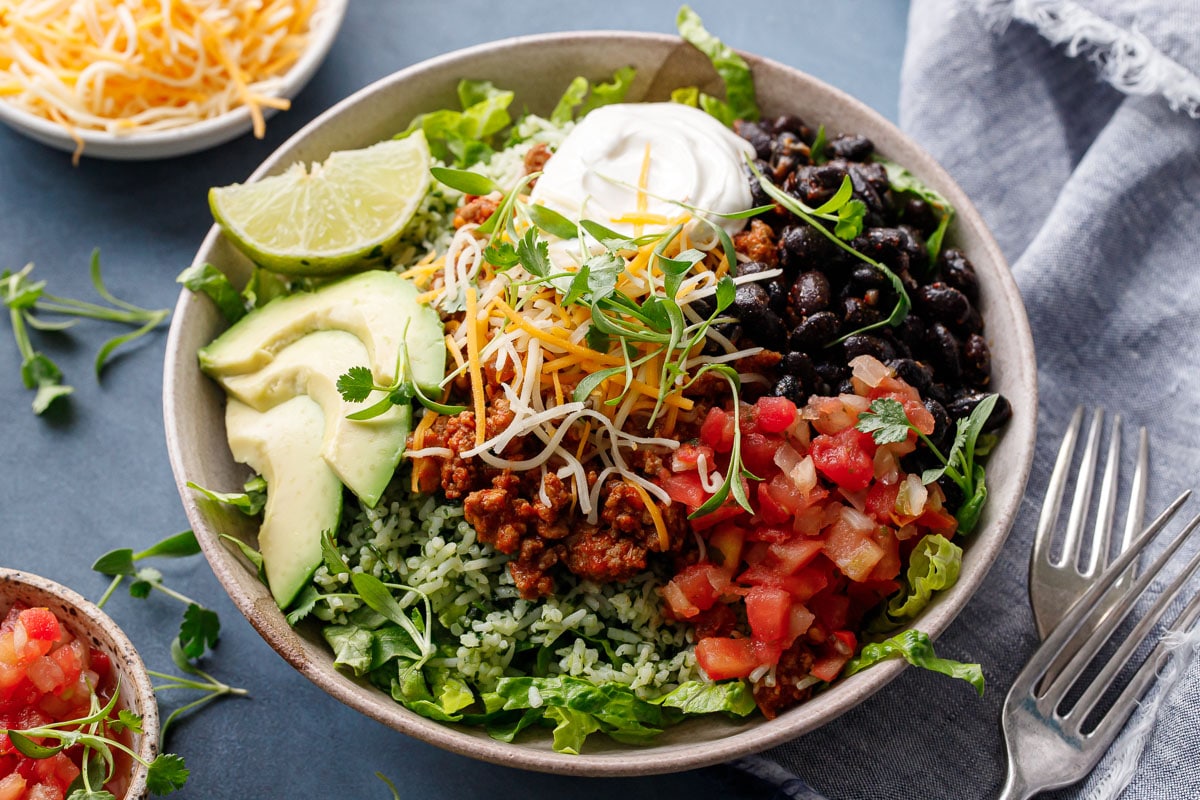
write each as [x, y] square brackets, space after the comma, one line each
[167, 773]
[501, 254]
[198, 631]
[126, 721]
[534, 254]
[356, 384]
[885, 421]
[40, 373]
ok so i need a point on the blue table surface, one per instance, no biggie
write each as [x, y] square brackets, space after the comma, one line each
[93, 475]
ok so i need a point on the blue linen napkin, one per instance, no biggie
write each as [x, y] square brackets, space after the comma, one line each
[1073, 126]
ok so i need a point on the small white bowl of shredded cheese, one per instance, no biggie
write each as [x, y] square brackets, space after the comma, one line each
[145, 79]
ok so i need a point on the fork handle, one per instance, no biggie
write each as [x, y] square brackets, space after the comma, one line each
[1015, 787]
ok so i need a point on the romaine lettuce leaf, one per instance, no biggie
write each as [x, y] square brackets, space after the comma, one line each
[699, 697]
[582, 97]
[932, 567]
[572, 729]
[740, 101]
[915, 648]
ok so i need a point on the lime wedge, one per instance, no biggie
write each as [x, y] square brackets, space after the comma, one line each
[346, 213]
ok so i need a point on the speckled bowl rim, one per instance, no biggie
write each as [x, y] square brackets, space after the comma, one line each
[191, 138]
[1017, 443]
[138, 695]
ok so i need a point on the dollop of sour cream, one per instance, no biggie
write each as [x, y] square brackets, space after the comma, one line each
[686, 154]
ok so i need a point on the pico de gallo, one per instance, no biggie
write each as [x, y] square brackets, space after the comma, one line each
[47, 675]
[779, 596]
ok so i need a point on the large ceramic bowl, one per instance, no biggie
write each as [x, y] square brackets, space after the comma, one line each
[537, 68]
[144, 145]
[89, 623]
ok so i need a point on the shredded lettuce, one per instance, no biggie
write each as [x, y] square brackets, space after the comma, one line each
[740, 100]
[582, 97]
[915, 648]
[932, 567]
[463, 138]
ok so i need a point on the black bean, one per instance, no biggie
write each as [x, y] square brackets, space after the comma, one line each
[852, 147]
[888, 334]
[768, 330]
[914, 373]
[875, 173]
[778, 292]
[954, 495]
[830, 376]
[759, 195]
[945, 353]
[865, 190]
[757, 136]
[799, 365]
[858, 314]
[939, 392]
[973, 323]
[911, 331]
[867, 277]
[957, 271]
[920, 215]
[792, 388]
[845, 387]
[977, 359]
[749, 301]
[792, 124]
[809, 294]
[801, 247]
[864, 344]
[705, 306]
[886, 245]
[751, 268]
[943, 303]
[943, 426]
[964, 405]
[815, 185]
[815, 330]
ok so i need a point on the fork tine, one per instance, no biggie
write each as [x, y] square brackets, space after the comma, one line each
[1125, 703]
[1080, 613]
[1054, 490]
[1085, 646]
[1083, 494]
[1121, 657]
[1102, 533]
[1137, 492]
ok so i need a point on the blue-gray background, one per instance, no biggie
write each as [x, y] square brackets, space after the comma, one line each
[93, 475]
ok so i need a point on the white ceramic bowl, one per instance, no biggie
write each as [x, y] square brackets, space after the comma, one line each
[88, 622]
[146, 145]
[537, 68]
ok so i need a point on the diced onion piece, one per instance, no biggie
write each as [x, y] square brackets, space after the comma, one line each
[910, 500]
[869, 372]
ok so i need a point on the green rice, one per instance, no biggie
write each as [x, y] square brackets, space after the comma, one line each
[598, 632]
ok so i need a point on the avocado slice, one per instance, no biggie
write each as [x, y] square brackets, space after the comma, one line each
[364, 454]
[377, 307]
[304, 496]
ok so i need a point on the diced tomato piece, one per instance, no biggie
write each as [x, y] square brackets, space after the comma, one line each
[801, 586]
[685, 487]
[70, 659]
[722, 657]
[881, 501]
[849, 543]
[785, 494]
[938, 521]
[12, 787]
[45, 674]
[831, 609]
[767, 610]
[687, 457]
[725, 547]
[699, 586]
[800, 619]
[98, 662]
[846, 458]
[888, 567]
[768, 653]
[788, 557]
[770, 534]
[717, 430]
[775, 414]
[677, 602]
[717, 621]
[770, 510]
[730, 510]
[41, 624]
[758, 453]
[837, 651]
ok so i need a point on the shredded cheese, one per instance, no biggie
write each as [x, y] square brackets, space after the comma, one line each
[475, 365]
[120, 66]
[664, 541]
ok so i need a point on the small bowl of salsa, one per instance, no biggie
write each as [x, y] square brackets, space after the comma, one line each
[63, 659]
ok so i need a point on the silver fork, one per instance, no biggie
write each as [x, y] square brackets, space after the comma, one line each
[1054, 584]
[1048, 746]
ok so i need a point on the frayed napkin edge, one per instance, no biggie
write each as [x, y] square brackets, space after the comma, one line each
[1126, 59]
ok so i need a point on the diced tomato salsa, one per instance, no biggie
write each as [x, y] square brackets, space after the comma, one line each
[823, 546]
[46, 675]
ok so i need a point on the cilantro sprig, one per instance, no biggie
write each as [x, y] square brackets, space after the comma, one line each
[356, 384]
[737, 470]
[887, 423]
[27, 300]
[95, 733]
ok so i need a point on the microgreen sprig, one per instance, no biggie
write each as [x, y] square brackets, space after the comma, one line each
[26, 299]
[887, 423]
[200, 681]
[200, 627]
[94, 733]
[737, 470]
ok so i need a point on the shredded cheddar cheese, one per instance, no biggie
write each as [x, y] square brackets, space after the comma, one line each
[120, 66]
[664, 541]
